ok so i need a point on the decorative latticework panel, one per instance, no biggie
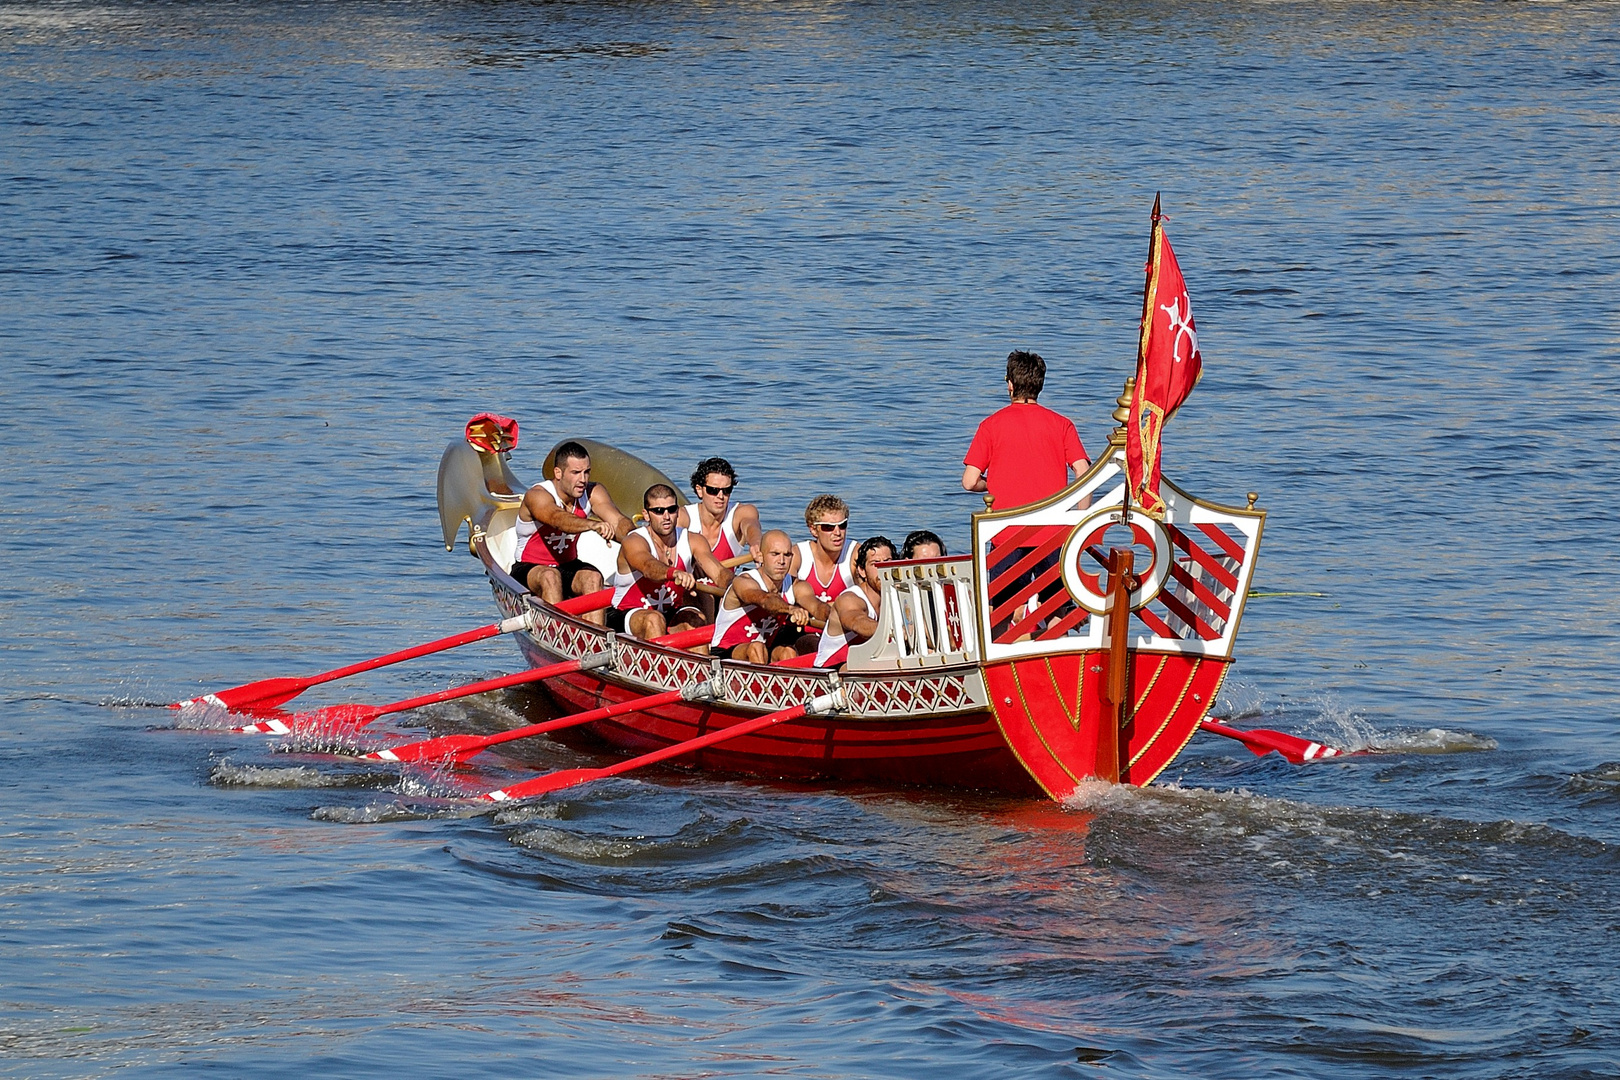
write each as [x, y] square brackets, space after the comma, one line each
[656, 668]
[510, 601]
[914, 694]
[770, 689]
[562, 636]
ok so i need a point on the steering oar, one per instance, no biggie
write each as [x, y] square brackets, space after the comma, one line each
[1261, 741]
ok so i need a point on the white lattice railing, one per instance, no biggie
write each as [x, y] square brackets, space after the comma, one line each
[926, 619]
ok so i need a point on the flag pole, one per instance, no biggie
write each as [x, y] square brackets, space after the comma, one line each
[1142, 336]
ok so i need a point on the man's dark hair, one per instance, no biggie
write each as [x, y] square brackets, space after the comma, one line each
[712, 465]
[1027, 373]
[658, 491]
[570, 449]
[921, 536]
[870, 545]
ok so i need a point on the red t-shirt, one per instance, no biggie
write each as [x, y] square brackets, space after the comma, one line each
[1024, 452]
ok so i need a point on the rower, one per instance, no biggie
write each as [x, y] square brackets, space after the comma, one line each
[656, 578]
[762, 612]
[922, 544]
[827, 559]
[854, 614]
[731, 528]
[553, 515]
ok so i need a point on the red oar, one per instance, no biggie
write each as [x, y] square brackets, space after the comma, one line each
[1262, 741]
[565, 778]
[459, 748]
[268, 693]
[343, 719]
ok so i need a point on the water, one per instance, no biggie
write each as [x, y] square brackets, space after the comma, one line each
[260, 262]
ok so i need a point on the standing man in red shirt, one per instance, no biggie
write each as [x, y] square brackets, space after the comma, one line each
[1024, 452]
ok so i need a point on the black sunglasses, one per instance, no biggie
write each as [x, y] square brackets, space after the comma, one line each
[662, 509]
[718, 490]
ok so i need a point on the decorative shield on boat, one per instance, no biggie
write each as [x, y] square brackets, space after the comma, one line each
[1042, 604]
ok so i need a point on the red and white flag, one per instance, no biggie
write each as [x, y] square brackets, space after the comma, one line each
[1168, 365]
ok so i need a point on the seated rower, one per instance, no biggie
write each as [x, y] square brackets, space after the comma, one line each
[731, 528]
[553, 515]
[855, 613]
[656, 579]
[827, 559]
[922, 544]
[764, 609]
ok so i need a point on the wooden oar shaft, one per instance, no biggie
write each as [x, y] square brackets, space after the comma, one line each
[505, 626]
[268, 693]
[681, 640]
[484, 687]
[463, 746]
[556, 781]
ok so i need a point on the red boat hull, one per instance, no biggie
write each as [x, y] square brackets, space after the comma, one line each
[961, 750]
[1050, 710]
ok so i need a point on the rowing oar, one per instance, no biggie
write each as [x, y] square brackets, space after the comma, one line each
[268, 693]
[566, 778]
[458, 748]
[1262, 741]
[343, 719]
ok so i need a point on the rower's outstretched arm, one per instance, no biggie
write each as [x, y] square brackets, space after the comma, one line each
[603, 506]
[703, 555]
[805, 597]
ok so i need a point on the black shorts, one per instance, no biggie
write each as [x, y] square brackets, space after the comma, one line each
[520, 573]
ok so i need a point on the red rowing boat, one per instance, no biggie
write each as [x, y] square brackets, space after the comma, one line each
[1004, 669]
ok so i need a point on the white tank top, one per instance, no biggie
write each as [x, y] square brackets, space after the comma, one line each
[628, 593]
[540, 543]
[843, 575]
[746, 622]
[827, 652]
[727, 545]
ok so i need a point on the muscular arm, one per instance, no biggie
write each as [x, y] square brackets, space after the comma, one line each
[602, 505]
[637, 555]
[805, 597]
[748, 528]
[543, 508]
[748, 591]
[852, 615]
[703, 556]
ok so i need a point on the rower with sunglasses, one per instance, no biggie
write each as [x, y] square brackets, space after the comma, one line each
[827, 559]
[730, 528]
[652, 592]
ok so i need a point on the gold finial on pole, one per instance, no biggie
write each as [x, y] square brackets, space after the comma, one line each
[1254, 497]
[989, 501]
[1122, 413]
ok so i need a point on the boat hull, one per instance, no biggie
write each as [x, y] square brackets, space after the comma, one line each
[960, 750]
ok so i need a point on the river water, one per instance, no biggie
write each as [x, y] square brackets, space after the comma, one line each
[259, 262]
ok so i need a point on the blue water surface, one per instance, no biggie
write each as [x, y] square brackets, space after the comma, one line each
[259, 262]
